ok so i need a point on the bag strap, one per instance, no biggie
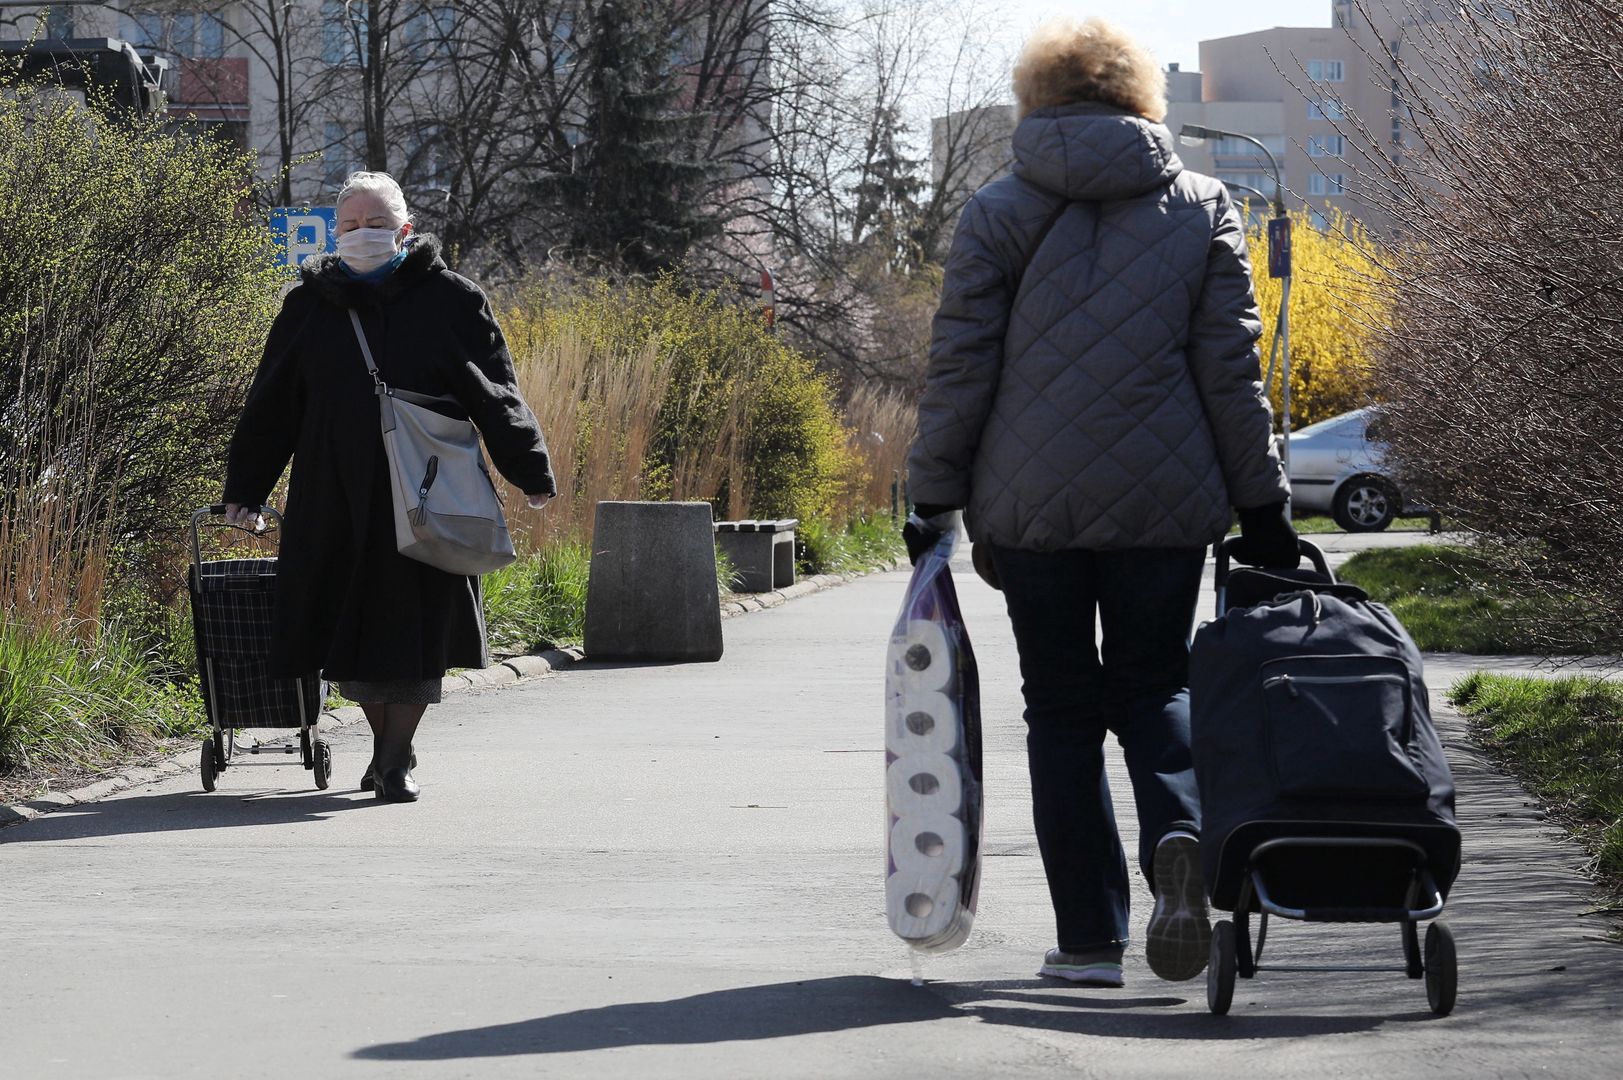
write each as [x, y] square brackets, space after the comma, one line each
[409, 396]
[366, 351]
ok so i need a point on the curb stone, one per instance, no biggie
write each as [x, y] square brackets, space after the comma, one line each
[508, 672]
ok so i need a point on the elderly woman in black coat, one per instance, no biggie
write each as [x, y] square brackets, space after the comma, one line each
[382, 626]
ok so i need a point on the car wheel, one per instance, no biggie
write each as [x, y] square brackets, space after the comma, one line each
[1365, 504]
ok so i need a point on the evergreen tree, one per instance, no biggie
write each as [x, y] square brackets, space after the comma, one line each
[633, 201]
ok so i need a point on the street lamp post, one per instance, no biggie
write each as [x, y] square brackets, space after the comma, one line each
[1279, 266]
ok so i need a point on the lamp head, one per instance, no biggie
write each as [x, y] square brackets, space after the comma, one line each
[1194, 134]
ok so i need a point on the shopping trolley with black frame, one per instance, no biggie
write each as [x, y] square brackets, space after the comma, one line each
[232, 602]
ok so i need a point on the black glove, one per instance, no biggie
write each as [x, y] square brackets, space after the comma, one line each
[924, 528]
[1267, 539]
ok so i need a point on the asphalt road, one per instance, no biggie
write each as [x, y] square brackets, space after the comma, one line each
[676, 871]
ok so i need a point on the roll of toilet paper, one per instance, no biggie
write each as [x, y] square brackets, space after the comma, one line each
[921, 656]
[922, 720]
[920, 908]
[929, 845]
[923, 783]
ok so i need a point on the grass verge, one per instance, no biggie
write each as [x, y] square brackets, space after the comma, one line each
[1563, 739]
[862, 545]
[538, 601]
[68, 700]
[1447, 596]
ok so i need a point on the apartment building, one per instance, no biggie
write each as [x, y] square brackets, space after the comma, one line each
[1290, 88]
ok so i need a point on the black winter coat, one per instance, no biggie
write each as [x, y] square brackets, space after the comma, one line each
[347, 602]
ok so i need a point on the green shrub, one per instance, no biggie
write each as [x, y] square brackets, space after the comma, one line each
[134, 296]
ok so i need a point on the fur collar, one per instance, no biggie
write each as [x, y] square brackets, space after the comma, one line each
[327, 276]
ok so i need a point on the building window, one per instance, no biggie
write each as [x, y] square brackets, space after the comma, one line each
[1263, 182]
[1326, 71]
[1241, 148]
[1327, 184]
[1327, 146]
[1326, 109]
[343, 34]
[192, 34]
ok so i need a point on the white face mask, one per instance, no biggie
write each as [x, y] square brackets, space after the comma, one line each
[364, 250]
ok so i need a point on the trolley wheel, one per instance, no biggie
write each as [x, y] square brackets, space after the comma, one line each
[1416, 968]
[323, 764]
[1442, 968]
[209, 772]
[1220, 969]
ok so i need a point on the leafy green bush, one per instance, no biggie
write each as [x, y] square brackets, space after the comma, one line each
[134, 296]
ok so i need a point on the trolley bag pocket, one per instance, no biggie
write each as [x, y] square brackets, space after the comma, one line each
[1341, 727]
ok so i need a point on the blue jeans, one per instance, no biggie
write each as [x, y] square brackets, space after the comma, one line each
[1135, 685]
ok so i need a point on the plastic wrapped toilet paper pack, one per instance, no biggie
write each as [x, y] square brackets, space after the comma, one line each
[932, 763]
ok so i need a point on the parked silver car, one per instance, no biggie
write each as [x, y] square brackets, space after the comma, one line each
[1338, 467]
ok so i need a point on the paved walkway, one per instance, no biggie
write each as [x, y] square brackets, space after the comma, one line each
[676, 871]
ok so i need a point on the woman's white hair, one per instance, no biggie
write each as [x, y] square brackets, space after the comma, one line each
[380, 184]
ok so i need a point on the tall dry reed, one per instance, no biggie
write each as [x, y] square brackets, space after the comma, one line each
[883, 425]
[599, 409]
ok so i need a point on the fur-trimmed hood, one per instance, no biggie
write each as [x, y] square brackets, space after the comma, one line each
[326, 274]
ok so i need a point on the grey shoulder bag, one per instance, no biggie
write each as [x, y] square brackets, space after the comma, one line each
[446, 512]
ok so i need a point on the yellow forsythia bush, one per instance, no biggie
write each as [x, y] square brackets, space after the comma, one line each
[1333, 301]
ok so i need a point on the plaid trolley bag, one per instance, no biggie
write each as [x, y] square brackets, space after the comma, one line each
[1325, 796]
[232, 601]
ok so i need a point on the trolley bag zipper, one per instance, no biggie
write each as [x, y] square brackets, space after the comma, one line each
[1341, 727]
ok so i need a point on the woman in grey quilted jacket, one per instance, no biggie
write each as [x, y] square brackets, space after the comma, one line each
[1094, 403]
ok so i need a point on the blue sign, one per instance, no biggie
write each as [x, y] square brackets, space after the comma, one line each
[302, 231]
[1279, 247]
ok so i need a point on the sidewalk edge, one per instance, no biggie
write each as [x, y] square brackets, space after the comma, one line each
[509, 672]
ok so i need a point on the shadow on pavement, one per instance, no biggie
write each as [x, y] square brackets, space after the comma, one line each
[182, 810]
[816, 1006]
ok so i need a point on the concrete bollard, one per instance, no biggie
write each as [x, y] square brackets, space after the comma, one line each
[652, 593]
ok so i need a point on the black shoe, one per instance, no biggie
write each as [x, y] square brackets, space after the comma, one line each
[367, 779]
[397, 786]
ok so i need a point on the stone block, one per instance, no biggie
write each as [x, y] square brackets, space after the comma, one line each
[652, 593]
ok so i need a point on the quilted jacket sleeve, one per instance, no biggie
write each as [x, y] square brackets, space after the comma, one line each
[966, 357]
[1223, 360]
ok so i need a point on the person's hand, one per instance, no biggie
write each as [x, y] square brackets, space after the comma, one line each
[924, 528]
[537, 502]
[247, 517]
[1267, 539]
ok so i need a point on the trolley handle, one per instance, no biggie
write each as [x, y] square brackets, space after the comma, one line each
[217, 510]
[1307, 547]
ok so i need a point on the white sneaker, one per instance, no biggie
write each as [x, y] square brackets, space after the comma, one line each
[1180, 935]
[1089, 969]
